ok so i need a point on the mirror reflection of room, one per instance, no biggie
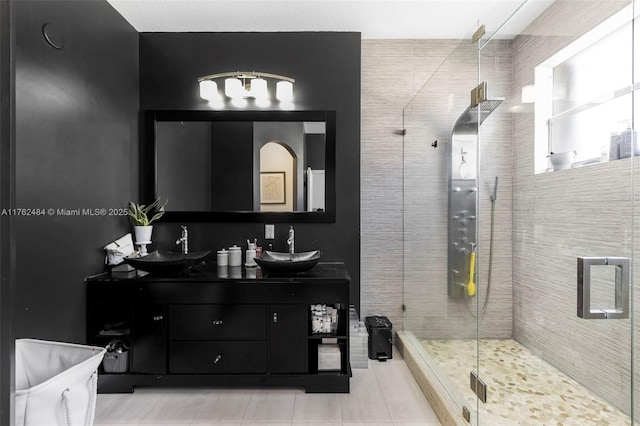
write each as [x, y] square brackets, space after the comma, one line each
[241, 165]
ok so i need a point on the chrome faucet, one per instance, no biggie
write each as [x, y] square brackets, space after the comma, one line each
[184, 240]
[290, 241]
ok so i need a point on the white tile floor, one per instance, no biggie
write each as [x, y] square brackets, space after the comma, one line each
[385, 394]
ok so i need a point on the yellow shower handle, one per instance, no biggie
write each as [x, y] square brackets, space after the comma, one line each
[471, 286]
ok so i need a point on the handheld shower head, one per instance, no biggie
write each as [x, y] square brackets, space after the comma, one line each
[494, 196]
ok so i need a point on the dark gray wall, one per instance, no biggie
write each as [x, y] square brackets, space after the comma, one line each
[76, 148]
[77, 133]
[181, 144]
[232, 166]
[314, 151]
[326, 67]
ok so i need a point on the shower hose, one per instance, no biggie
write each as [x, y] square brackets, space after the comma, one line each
[486, 297]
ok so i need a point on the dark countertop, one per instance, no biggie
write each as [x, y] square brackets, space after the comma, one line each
[211, 272]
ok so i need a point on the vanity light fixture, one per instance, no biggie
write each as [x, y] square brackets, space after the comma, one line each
[240, 85]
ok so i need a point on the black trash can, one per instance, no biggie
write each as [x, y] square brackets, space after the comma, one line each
[380, 337]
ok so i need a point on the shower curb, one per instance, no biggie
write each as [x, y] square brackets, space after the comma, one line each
[446, 409]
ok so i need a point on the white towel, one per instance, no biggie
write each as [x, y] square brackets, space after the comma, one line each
[119, 249]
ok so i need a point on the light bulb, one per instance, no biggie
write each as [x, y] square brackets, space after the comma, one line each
[284, 91]
[209, 90]
[233, 88]
[259, 88]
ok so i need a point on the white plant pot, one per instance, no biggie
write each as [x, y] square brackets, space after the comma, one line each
[143, 234]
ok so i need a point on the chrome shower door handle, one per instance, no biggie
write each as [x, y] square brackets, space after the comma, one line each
[622, 269]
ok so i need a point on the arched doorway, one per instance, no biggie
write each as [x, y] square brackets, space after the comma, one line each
[278, 180]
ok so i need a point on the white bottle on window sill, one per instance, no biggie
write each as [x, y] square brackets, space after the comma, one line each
[614, 146]
[625, 144]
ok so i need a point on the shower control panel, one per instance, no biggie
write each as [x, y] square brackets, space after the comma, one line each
[463, 190]
[462, 234]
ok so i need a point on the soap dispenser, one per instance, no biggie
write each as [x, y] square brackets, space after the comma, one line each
[250, 255]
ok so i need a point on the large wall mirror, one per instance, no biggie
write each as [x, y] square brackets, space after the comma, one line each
[241, 166]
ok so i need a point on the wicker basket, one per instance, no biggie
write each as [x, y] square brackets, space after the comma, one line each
[116, 362]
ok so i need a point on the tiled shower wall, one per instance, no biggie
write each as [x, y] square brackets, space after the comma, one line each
[558, 216]
[404, 184]
[553, 217]
[393, 71]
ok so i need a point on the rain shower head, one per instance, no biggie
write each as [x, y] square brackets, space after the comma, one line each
[487, 106]
[474, 116]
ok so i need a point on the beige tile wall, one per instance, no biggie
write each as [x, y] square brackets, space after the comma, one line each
[404, 183]
[542, 222]
[559, 216]
[392, 72]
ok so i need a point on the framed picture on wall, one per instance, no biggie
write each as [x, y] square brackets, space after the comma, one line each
[272, 188]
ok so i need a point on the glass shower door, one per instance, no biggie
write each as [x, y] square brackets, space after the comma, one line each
[557, 264]
[436, 310]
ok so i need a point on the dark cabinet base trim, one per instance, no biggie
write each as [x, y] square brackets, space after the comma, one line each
[317, 383]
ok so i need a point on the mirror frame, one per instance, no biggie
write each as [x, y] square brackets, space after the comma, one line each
[149, 170]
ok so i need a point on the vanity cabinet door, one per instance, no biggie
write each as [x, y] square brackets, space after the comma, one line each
[288, 338]
[149, 340]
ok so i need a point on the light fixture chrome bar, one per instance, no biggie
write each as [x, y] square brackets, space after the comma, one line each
[246, 74]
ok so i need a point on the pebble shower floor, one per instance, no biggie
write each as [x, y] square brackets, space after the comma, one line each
[522, 388]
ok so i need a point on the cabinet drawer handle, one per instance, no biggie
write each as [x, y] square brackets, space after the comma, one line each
[158, 318]
[218, 358]
[216, 322]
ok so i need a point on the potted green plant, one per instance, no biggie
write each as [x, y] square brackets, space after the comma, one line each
[140, 213]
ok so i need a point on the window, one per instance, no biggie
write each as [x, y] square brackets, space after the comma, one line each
[584, 94]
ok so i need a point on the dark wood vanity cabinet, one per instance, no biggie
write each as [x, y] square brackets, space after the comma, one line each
[202, 330]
